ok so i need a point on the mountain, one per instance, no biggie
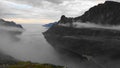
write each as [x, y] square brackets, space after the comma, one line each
[49, 24]
[106, 14]
[9, 23]
[92, 34]
[8, 29]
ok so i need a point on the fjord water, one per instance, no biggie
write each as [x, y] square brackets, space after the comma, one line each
[32, 46]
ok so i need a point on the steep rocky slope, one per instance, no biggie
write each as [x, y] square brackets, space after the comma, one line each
[107, 13]
[92, 41]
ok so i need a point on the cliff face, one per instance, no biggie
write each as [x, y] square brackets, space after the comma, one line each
[87, 41]
[91, 41]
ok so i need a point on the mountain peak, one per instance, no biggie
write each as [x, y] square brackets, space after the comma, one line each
[111, 2]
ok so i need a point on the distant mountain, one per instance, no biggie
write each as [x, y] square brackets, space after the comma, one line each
[49, 24]
[11, 27]
[9, 23]
[7, 29]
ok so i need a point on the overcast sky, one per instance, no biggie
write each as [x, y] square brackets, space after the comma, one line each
[43, 11]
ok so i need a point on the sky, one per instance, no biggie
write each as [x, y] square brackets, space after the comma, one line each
[43, 11]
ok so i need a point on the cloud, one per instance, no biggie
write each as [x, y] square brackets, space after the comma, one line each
[28, 2]
[55, 1]
[9, 9]
[37, 2]
[44, 9]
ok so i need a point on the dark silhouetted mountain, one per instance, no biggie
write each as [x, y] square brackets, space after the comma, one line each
[90, 41]
[105, 13]
[7, 27]
[9, 23]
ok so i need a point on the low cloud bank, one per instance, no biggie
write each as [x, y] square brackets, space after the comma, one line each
[91, 25]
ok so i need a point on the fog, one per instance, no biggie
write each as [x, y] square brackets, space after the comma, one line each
[92, 25]
[7, 37]
[29, 46]
[32, 46]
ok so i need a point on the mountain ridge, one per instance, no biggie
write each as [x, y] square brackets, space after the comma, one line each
[106, 13]
[9, 23]
[86, 40]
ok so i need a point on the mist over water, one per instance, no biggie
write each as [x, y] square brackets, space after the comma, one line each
[32, 46]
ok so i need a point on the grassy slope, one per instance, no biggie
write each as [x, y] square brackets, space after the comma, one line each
[30, 65]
